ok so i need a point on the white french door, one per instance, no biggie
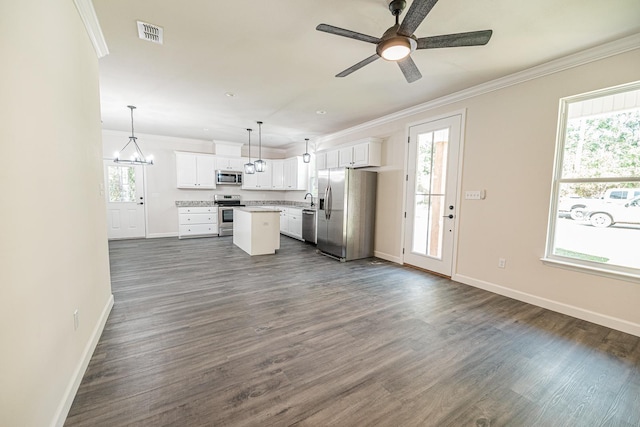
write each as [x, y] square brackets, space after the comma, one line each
[432, 175]
[125, 200]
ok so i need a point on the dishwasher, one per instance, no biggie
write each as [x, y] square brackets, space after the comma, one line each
[309, 225]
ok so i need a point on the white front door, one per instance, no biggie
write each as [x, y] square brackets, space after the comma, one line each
[432, 172]
[125, 200]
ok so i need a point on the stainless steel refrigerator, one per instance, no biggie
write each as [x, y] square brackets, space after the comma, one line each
[346, 213]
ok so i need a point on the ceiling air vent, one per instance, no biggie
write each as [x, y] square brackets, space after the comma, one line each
[150, 32]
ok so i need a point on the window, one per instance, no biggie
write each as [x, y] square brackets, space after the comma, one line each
[122, 183]
[595, 212]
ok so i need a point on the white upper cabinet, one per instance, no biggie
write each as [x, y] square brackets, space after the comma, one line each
[277, 174]
[321, 160]
[332, 159]
[364, 153]
[195, 170]
[258, 180]
[249, 181]
[345, 157]
[296, 174]
[230, 163]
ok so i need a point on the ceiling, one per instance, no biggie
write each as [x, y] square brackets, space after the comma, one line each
[281, 70]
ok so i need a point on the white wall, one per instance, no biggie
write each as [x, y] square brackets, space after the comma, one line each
[162, 213]
[54, 255]
[510, 137]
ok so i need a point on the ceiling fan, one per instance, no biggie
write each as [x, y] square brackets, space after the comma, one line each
[399, 41]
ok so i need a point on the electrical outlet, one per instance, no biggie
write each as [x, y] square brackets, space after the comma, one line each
[502, 263]
[76, 320]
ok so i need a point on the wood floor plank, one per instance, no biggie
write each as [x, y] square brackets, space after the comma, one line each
[201, 334]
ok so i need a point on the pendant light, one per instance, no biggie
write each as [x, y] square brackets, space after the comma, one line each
[261, 165]
[137, 158]
[249, 167]
[306, 157]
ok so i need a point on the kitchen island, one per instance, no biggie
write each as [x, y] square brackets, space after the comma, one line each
[256, 230]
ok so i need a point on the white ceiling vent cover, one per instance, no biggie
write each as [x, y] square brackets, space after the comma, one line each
[150, 32]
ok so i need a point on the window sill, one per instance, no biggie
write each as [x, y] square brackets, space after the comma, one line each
[568, 265]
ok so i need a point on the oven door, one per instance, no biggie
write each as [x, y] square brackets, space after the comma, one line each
[225, 221]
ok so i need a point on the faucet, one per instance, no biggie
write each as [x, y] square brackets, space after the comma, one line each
[309, 194]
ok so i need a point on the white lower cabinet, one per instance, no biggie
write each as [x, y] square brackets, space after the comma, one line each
[197, 221]
[291, 222]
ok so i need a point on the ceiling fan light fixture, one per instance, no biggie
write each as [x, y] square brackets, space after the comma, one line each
[396, 48]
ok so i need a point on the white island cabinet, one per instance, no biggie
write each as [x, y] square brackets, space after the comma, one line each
[256, 230]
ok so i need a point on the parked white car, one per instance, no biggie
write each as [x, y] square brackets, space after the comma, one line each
[574, 207]
[603, 214]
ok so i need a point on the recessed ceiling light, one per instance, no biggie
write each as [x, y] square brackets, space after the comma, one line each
[230, 94]
[321, 112]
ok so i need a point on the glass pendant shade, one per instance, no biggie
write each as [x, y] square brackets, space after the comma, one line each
[306, 157]
[249, 168]
[260, 164]
[137, 158]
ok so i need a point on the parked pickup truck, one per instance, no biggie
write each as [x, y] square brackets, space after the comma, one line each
[603, 214]
[574, 207]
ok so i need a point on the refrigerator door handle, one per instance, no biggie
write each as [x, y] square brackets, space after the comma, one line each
[330, 201]
[326, 203]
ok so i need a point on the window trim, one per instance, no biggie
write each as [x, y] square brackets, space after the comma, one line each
[601, 269]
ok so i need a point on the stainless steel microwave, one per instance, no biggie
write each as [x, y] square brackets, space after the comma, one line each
[228, 177]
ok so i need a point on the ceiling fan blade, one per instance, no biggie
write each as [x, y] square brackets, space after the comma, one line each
[415, 15]
[347, 33]
[357, 66]
[473, 38]
[410, 70]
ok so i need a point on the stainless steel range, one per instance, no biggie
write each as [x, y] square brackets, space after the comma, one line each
[226, 203]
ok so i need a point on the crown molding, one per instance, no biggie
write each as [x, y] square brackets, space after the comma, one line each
[606, 50]
[92, 25]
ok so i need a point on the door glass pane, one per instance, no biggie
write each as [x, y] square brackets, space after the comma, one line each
[430, 179]
[122, 183]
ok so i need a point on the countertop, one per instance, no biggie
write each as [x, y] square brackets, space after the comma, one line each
[248, 203]
[195, 203]
[256, 209]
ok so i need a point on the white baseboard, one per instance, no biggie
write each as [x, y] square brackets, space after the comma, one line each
[76, 379]
[570, 310]
[158, 235]
[387, 257]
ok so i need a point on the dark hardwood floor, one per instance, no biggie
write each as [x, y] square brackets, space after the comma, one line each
[201, 334]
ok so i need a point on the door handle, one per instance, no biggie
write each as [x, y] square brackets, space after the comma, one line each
[141, 203]
[326, 206]
[450, 216]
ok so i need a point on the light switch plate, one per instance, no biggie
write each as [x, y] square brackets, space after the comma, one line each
[473, 195]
